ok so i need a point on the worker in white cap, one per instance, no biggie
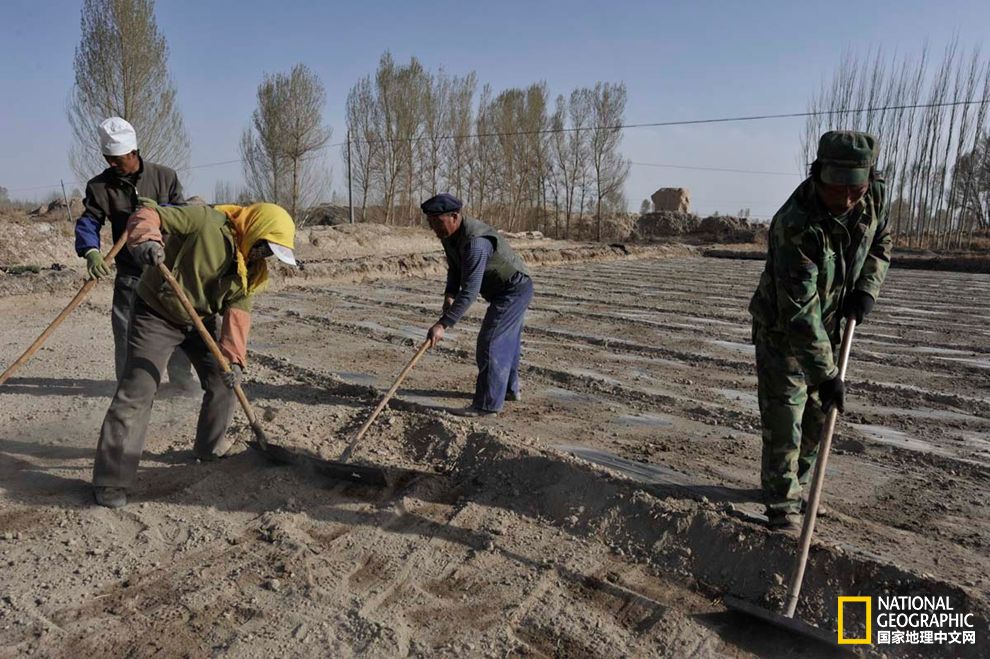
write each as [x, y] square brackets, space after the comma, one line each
[113, 195]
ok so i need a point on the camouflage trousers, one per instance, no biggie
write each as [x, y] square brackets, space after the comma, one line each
[792, 418]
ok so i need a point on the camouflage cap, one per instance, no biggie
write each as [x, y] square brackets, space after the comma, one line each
[846, 157]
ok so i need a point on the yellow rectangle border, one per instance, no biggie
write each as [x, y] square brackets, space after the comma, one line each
[868, 600]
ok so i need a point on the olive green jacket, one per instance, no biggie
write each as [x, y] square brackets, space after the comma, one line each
[813, 261]
[199, 250]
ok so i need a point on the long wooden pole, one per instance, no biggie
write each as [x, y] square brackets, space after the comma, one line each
[259, 433]
[384, 401]
[815, 495]
[76, 301]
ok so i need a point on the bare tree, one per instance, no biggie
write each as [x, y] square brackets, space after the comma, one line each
[281, 149]
[362, 120]
[972, 190]
[414, 133]
[121, 70]
[570, 148]
[927, 153]
[223, 193]
[457, 149]
[609, 166]
[399, 92]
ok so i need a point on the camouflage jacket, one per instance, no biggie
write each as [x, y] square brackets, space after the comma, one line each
[813, 261]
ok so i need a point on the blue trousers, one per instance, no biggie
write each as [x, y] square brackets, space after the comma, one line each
[499, 345]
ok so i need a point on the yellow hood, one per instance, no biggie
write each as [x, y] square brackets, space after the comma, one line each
[251, 224]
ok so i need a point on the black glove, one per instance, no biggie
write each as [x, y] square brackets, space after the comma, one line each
[833, 392]
[150, 252]
[232, 378]
[857, 305]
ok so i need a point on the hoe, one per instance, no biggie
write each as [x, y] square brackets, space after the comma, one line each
[341, 468]
[786, 619]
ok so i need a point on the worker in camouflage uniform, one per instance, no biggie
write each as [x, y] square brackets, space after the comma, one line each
[829, 250]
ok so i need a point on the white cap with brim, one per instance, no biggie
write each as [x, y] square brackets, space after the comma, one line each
[283, 253]
[117, 137]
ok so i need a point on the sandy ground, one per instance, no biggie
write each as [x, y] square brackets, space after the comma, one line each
[604, 515]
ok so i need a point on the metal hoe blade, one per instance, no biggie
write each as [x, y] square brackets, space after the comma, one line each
[780, 620]
[365, 475]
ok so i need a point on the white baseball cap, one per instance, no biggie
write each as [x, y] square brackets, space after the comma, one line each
[283, 253]
[117, 137]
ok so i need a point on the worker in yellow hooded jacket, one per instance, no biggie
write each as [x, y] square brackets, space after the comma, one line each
[218, 256]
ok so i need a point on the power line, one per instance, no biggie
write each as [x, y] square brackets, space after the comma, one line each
[38, 187]
[715, 169]
[655, 124]
[680, 122]
[215, 164]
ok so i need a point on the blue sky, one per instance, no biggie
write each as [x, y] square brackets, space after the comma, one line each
[679, 60]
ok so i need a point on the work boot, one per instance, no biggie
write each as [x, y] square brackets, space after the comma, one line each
[780, 520]
[471, 411]
[111, 497]
[513, 396]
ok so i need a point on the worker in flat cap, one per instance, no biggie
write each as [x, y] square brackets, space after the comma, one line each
[828, 254]
[113, 195]
[480, 261]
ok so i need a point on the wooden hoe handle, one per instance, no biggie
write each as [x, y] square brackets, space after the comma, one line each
[384, 401]
[815, 494]
[215, 351]
[76, 301]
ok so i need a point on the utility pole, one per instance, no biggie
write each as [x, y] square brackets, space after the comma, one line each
[68, 212]
[350, 202]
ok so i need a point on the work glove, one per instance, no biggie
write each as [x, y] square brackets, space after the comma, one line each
[232, 378]
[857, 305]
[150, 252]
[96, 267]
[833, 392]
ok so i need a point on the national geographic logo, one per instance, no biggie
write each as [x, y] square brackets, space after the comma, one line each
[903, 620]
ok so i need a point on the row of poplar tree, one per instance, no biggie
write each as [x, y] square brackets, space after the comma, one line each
[519, 158]
[933, 119]
[516, 157]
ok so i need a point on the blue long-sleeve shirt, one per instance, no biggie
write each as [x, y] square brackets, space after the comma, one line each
[465, 282]
[110, 196]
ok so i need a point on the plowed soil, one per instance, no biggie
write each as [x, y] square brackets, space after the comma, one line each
[605, 514]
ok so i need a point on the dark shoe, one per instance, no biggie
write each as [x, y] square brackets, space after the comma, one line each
[111, 497]
[822, 510]
[471, 411]
[513, 397]
[778, 520]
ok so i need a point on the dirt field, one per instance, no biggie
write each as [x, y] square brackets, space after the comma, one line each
[604, 515]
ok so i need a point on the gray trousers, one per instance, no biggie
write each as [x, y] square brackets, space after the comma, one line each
[150, 340]
[124, 293]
